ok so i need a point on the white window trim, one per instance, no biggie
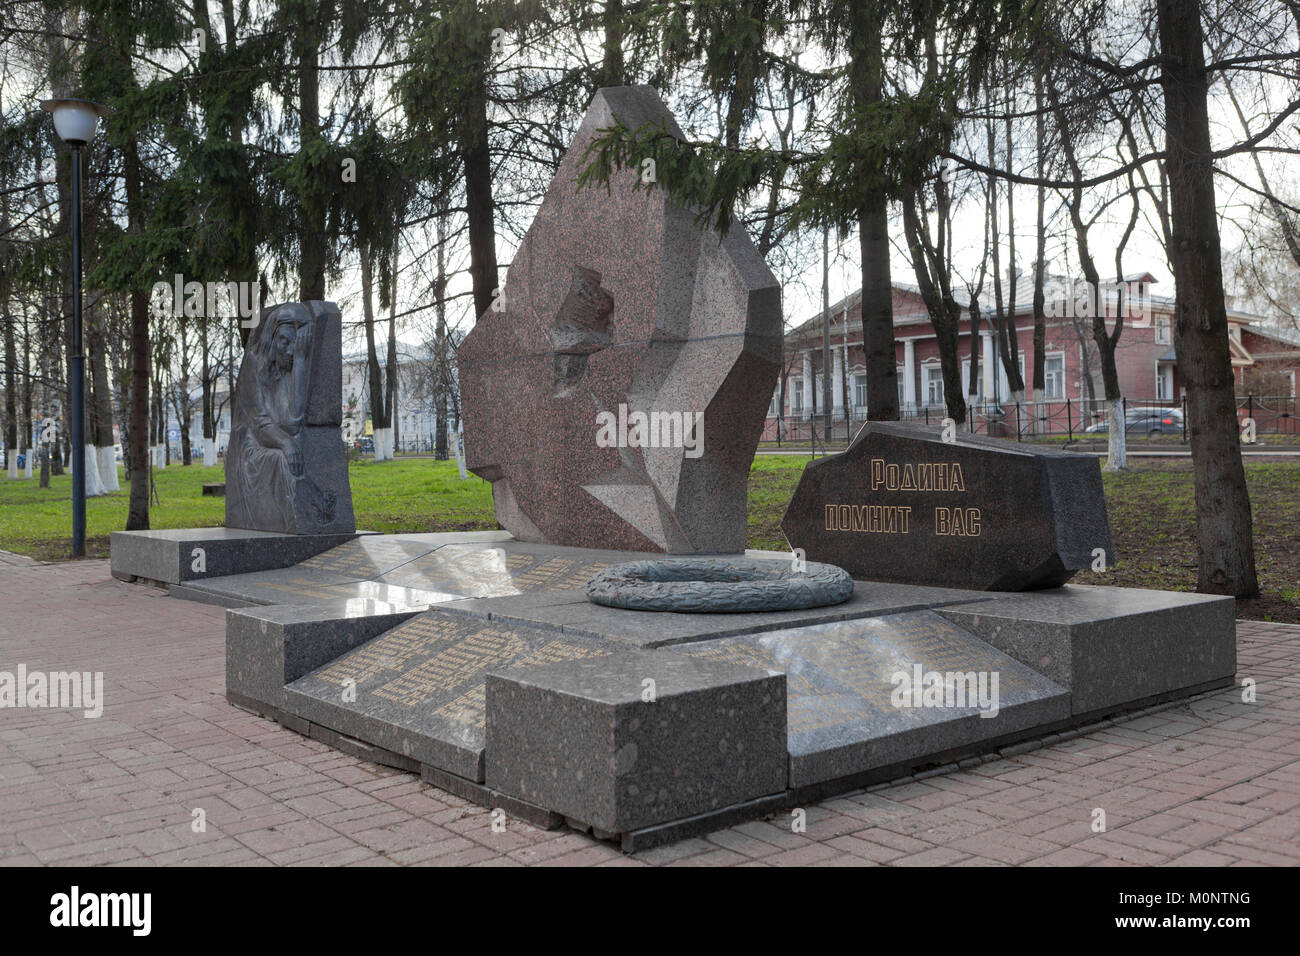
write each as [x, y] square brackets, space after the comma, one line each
[1048, 355]
[1160, 380]
[854, 374]
[1159, 322]
[927, 367]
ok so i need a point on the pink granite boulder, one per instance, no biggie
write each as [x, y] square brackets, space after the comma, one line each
[615, 394]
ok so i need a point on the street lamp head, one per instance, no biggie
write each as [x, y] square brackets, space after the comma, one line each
[75, 120]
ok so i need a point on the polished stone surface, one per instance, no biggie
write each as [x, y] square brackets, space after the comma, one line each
[465, 653]
[572, 613]
[413, 569]
[472, 571]
[848, 710]
[286, 469]
[418, 689]
[199, 554]
[1110, 645]
[636, 738]
[269, 647]
[900, 504]
[620, 308]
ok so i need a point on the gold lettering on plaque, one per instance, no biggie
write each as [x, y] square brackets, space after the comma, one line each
[923, 476]
[959, 522]
[872, 519]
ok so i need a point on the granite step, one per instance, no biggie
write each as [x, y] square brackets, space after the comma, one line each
[418, 689]
[846, 680]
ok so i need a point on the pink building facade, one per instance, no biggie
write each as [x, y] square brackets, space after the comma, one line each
[1145, 361]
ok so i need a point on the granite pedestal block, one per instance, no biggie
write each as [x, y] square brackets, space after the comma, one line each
[633, 739]
[847, 715]
[513, 687]
[418, 689]
[269, 647]
[1111, 646]
[171, 556]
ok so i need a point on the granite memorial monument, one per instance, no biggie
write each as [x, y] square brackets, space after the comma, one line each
[286, 469]
[615, 392]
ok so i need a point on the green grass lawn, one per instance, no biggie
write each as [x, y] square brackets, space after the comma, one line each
[1151, 514]
[415, 495]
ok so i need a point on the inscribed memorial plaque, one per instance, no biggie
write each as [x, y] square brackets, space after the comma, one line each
[902, 505]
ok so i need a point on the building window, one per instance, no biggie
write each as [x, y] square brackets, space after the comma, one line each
[774, 408]
[859, 391]
[796, 395]
[1162, 330]
[1054, 376]
[933, 375]
[1164, 382]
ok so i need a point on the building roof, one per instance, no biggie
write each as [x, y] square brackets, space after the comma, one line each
[1024, 304]
[1288, 339]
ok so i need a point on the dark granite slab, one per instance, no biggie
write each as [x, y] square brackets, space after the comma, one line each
[419, 687]
[296, 585]
[900, 504]
[572, 613]
[268, 647]
[325, 386]
[635, 738]
[570, 676]
[842, 690]
[169, 556]
[474, 571]
[1110, 646]
[369, 557]
[427, 569]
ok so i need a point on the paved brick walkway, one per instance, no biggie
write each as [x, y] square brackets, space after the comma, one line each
[1214, 781]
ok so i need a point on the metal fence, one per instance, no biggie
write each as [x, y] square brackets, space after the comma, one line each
[1070, 419]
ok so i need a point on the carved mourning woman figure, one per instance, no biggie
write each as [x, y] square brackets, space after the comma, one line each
[265, 473]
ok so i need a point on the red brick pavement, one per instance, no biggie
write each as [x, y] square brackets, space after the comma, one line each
[1211, 781]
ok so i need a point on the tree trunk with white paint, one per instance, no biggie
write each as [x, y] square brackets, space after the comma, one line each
[458, 441]
[106, 459]
[90, 462]
[1117, 439]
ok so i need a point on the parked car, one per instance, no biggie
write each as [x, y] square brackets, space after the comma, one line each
[1145, 421]
[366, 445]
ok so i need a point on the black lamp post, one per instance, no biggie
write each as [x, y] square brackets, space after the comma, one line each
[75, 121]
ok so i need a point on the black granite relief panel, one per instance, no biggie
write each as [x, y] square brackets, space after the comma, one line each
[286, 468]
